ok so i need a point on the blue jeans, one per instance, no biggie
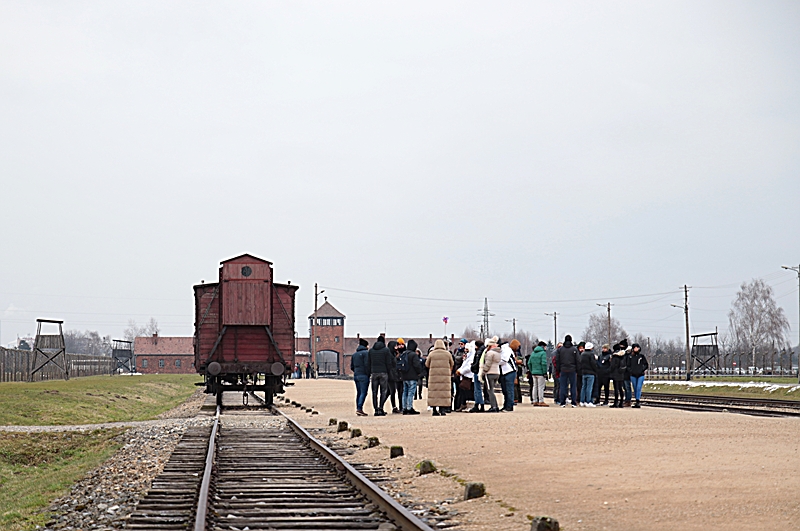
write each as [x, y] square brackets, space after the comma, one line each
[587, 386]
[568, 379]
[507, 385]
[477, 389]
[626, 384]
[362, 387]
[409, 391]
[637, 382]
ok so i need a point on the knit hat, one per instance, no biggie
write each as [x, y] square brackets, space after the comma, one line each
[491, 342]
[606, 346]
[514, 344]
[589, 346]
[363, 342]
[401, 340]
[582, 344]
[462, 340]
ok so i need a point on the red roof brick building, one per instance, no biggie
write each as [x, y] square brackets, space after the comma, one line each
[170, 355]
[333, 349]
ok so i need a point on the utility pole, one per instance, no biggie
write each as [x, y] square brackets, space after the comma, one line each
[797, 348]
[513, 325]
[686, 314]
[688, 350]
[555, 327]
[314, 364]
[608, 306]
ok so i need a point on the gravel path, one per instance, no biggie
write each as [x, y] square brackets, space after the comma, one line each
[104, 499]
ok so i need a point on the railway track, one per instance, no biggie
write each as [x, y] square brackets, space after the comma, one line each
[270, 477]
[760, 407]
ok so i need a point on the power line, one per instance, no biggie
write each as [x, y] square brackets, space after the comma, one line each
[499, 301]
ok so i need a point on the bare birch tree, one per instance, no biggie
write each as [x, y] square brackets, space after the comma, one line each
[756, 320]
[597, 331]
[147, 330]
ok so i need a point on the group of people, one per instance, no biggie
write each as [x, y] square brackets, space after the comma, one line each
[584, 374]
[398, 369]
[300, 368]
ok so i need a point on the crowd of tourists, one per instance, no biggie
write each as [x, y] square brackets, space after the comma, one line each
[468, 374]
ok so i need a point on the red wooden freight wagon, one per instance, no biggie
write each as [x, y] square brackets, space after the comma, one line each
[244, 329]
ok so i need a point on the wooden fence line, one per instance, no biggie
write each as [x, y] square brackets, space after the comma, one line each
[16, 366]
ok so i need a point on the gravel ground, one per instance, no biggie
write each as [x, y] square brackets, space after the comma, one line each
[105, 498]
[590, 468]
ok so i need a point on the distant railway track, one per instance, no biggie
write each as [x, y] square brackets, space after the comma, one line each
[761, 407]
[273, 477]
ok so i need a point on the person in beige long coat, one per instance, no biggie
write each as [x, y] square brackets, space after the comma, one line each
[440, 369]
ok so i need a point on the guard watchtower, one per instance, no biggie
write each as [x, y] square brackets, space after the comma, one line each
[705, 352]
[51, 347]
[122, 352]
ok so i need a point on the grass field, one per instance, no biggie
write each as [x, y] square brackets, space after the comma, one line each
[731, 389]
[36, 468]
[93, 399]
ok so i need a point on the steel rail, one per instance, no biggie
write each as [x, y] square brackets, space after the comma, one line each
[715, 403]
[404, 519]
[202, 499]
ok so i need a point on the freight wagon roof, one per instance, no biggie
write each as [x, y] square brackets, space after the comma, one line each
[163, 345]
[246, 258]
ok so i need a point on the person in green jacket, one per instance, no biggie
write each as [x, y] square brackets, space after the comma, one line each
[537, 365]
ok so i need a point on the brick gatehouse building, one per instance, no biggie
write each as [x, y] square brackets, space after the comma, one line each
[333, 348]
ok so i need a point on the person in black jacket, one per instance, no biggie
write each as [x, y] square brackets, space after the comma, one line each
[380, 360]
[567, 365]
[588, 374]
[626, 378]
[477, 386]
[638, 366]
[395, 381]
[618, 361]
[603, 374]
[359, 364]
[412, 363]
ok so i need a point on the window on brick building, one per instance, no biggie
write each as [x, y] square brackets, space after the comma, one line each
[336, 339]
[144, 362]
[161, 363]
[177, 363]
[317, 339]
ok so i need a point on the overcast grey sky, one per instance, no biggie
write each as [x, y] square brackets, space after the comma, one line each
[451, 150]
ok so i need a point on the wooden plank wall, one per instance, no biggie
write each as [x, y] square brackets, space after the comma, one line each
[16, 365]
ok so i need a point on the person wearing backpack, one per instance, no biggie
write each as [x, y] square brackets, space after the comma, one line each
[618, 361]
[410, 367]
[464, 389]
[477, 384]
